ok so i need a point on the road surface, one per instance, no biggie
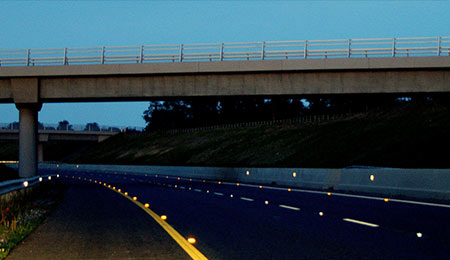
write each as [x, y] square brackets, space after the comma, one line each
[232, 221]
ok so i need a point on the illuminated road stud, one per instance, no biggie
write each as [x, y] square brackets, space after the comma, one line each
[266, 202]
[207, 191]
[25, 184]
[57, 175]
[99, 182]
[134, 198]
[146, 205]
[192, 240]
[329, 193]
[237, 184]
[386, 200]
[321, 214]
[114, 188]
[231, 196]
[289, 190]
[419, 235]
[126, 193]
[40, 178]
[372, 177]
[247, 172]
[164, 217]
[179, 178]
[294, 174]
[109, 186]
[119, 190]
[220, 182]
[49, 178]
[260, 187]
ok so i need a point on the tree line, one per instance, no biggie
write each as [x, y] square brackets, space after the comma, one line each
[203, 111]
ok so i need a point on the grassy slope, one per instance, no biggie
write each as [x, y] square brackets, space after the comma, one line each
[410, 136]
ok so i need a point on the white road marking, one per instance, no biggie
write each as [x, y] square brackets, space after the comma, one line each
[289, 207]
[197, 190]
[360, 222]
[218, 193]
[247, 199]
[181, 187]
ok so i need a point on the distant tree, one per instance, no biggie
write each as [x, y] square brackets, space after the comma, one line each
[93, 127]
[64, 125]
[167, 115]
[13, 126]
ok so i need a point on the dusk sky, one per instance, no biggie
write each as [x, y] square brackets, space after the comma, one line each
[40, 24]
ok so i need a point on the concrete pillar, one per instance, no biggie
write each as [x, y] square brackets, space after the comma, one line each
[40, 152]
[28, 139]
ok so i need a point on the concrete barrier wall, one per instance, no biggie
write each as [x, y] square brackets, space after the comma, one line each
[414, 183]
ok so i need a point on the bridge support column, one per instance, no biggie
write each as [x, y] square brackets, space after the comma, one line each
[28, 139]
[40, 152]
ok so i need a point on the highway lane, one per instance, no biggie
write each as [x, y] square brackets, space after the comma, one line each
[249, 222]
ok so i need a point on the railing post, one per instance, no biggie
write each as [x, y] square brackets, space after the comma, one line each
[65, 56]
[103, 55]
[439, 46]
[263, 46]
[221, 51]
[305, 50]
[28, 57]
[393, 47]
[141, 58]
[181, 53]
[349, 48]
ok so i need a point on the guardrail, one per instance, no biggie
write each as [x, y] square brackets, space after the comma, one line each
[9, 186]
[265, 50]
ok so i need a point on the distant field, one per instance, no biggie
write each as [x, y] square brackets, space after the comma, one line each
[411, 136]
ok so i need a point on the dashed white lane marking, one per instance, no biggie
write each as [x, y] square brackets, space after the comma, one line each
[360, 222]
[218, 193]
[181, 187]
[247, 199]
[197, 190]
[289, 207]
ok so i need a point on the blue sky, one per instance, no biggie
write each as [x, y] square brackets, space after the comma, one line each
[41, 24]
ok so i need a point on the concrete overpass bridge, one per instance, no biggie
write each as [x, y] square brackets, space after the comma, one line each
[129, 73]
[45, 136]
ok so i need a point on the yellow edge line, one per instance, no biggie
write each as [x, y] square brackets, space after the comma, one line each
[187, 247]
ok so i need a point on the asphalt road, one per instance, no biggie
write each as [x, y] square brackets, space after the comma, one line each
[94, 223]
[234, 222]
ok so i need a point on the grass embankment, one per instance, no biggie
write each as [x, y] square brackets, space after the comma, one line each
[410, 136]
[22, 211]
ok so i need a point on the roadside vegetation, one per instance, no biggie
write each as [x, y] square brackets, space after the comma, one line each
[23, 210]
[409, 135]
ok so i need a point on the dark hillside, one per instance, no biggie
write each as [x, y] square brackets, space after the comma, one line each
[7, 173]
[411, 135]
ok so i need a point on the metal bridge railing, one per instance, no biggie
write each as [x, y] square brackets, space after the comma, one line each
[266, 50]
